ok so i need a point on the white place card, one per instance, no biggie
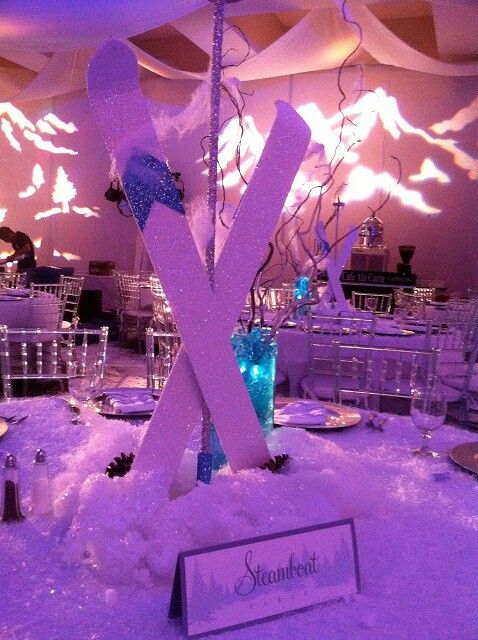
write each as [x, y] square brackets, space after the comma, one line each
[253, 580]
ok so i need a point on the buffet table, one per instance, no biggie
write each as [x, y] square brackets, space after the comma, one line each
[102, 565]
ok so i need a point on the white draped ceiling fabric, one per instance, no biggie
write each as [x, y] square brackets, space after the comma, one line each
[56, 38]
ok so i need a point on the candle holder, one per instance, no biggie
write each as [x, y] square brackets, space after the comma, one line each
[302, 292]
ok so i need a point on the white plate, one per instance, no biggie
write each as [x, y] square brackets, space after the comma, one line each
[340, 417]
[394, 331]
[330, 329]
[466, 456]
[3, 427]
[4, 298]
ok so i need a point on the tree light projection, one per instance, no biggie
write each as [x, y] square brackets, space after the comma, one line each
[47, 135]
[66, 255]
[361, 182]
[63, 191]
[37, 243]
[38, 180]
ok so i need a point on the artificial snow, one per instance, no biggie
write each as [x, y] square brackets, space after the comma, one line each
[101, 566]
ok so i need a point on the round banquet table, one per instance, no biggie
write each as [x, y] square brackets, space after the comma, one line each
[293, 351]
[20, 311]
[103, 563]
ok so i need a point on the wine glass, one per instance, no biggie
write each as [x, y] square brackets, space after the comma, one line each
[83, 386]
[428, 411]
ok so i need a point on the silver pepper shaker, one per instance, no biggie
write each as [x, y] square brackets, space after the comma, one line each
[41, 495]
[11, 496]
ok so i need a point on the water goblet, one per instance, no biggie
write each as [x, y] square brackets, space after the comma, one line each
[83, 386]
[428, 411]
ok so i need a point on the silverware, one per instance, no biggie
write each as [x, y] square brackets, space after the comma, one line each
[14, 419]
[376, 422]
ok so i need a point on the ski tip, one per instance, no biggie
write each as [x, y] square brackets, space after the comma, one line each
[112, 70]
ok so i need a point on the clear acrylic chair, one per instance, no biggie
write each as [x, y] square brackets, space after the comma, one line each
[13, 280]
[408, 305]
[276, 298]
[457, 343]
[156, 287]
[74, 287]
[324, 331]
[424, 294]
[377, 302]
[364, 374]
[131, 315]
[48, 356]
[161, 350]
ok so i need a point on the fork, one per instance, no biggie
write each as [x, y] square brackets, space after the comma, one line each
[14, 419]
[375, 422]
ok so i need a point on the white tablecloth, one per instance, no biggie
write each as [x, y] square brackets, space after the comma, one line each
[416, 532]
[41, 311]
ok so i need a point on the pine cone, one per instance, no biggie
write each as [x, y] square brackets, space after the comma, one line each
[276, 463]
[120, 465]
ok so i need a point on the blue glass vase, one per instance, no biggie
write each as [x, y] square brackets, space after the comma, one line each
[302, 292]
[256, 355]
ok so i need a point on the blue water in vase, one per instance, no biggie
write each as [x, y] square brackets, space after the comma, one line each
[256, 355]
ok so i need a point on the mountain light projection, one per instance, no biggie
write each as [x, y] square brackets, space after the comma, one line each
[429, 171]
[459, 120]
[29, 130]
[20, 132]
[361, 182]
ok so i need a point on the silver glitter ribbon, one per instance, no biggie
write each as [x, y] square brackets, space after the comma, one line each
[214, 126]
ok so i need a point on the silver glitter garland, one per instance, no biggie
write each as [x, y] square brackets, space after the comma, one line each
[214, 126]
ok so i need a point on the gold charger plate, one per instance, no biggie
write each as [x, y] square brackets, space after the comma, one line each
[340, 417]
[3, 427]
[466, 456]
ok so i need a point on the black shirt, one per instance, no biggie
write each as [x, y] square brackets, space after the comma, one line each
[21, 240]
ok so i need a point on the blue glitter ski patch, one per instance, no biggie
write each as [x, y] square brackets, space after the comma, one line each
[147, 180]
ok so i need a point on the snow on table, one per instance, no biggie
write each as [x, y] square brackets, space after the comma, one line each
[101, 568]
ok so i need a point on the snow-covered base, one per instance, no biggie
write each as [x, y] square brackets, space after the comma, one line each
[101, 568]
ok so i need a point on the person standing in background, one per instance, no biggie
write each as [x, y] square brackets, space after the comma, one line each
[23, 250]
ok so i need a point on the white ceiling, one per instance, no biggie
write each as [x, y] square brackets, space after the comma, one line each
[45, 45]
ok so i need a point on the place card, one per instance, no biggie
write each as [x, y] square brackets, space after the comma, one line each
[252, 580]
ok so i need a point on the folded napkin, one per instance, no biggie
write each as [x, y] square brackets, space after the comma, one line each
[302, 412]
[128, 400]
[138, 406]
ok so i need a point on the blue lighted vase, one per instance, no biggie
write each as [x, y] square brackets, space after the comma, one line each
[256, 355]
[302, 292]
